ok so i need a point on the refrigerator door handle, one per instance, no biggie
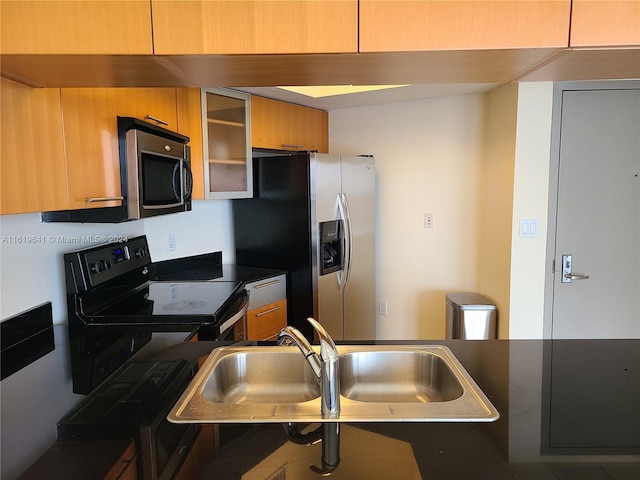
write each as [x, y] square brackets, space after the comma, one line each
[348, 241]
[340, 275]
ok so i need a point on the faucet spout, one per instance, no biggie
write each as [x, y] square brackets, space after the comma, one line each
[292, 336]
[325, 366]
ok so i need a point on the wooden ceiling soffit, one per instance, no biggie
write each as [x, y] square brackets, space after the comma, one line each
[472, 66]
[589, 64]
[468, 66]
[88, 71]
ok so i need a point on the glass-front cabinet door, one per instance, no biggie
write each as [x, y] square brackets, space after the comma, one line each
[226, 127]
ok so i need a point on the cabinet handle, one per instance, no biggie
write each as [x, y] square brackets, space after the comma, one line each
[266, 284]
[103, 199]
[292, 145]
[266, 312]
[155, 119]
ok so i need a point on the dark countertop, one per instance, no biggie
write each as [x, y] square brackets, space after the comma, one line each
[208, 267]
[79, 460]
[570, 409]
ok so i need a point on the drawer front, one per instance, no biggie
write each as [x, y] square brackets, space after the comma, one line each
[267, 291]
[266, 322]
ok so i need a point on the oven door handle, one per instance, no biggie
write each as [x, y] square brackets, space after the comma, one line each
[242, 311]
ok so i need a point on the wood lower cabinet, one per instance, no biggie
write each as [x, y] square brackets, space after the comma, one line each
[602, 23]
[125, 467]
[267, 310]
[399, 25]
[32, 159]
[91, 136]
[282, 125]
[264, 323]
[76, 27]
[202, 452]
[254, 27]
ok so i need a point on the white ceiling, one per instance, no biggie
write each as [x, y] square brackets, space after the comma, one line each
[392, 95]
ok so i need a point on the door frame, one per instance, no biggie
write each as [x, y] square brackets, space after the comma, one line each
[554, 170]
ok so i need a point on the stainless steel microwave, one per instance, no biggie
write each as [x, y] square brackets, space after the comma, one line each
[158, 165]
[155, 176]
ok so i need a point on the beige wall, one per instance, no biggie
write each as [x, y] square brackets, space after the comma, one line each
[479, 163]
[496, 200]
[428, 160]
[530, 200]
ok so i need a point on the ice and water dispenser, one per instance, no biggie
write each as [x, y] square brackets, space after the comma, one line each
[331, 246]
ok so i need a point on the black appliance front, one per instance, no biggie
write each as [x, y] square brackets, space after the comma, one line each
[114, 308]
[134, 403]
[273, 229]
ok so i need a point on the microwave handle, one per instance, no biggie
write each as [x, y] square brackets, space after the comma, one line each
[188, 182]
[182, 182]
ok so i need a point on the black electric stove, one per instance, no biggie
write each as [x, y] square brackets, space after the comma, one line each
[115, 304]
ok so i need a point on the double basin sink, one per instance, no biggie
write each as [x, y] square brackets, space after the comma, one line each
[377, 384]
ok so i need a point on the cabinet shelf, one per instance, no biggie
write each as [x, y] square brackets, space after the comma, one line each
[229, 161]
[227, 123]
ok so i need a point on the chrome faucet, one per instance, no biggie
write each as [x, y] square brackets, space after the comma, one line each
[325, 366]
[326, 369]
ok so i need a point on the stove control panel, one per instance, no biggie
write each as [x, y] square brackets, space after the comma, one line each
[97, 265]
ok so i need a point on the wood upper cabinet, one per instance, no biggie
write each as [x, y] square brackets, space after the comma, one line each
[32, 163]
[76, 27]
[91, 136]
[601, 23]
[399, 25]
[252, 27]
[226, 126]
[283, 125]
[190, 124]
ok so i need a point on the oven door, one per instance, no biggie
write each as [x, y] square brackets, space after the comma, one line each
[233, 323]
[164, 446]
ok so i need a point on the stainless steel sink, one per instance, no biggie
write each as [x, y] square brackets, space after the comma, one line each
[397, 377]
[377, 384]
[250, 377]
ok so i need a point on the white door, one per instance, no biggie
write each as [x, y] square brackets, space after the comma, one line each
[598, 216]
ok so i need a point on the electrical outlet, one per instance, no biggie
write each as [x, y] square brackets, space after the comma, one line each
[171, 242]
[428, 220]
[383, 308]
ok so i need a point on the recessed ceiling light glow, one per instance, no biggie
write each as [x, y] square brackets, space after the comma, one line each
[332, 90]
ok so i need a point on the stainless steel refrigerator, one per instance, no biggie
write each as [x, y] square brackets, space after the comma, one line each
[313, 215]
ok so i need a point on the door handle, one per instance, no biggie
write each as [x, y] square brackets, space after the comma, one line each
[576, 277]
[567, 275]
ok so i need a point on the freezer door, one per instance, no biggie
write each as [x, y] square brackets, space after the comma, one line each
[359, 295]
[326, 191]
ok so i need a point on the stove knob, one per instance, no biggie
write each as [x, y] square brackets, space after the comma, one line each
[96, 267]
[107, 264]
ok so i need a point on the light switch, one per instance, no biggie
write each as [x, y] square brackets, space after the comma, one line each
[529, 228]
